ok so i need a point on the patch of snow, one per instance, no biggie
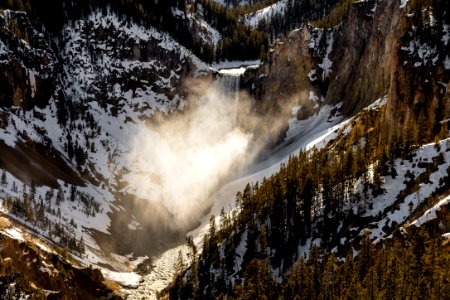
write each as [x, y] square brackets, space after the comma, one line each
[239, 3]
[178, 13]
[134, 225]
[422, 52]
[32, 81]
[312, 75]
[377, 104]
[240, 251]
[446, 235]
[9, 134]
[327, 63]
[45, 268]
[296, 109]
[447, 63]
[43, 247]
[432, 19]
[236, 64]
[303, 251]
[446, 37]
[313, 97]
[403, 3]
[302, 128]
[209, 34]
[233, 72]
[126, 279]
[3, 49]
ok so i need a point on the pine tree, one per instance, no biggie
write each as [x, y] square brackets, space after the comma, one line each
[4, 180]
[263, 242]
[179, 265]
[14, 187]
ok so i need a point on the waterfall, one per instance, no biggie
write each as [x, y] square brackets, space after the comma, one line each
[228, 84]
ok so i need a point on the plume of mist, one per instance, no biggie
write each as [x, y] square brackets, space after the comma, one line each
[180, 161]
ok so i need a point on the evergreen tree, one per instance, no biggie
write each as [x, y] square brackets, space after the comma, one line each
[179, 265]
[3, 179]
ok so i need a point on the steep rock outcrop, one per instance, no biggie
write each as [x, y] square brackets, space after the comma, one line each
[421, 73]
[350, 63]
[28, 66]
[364, 55]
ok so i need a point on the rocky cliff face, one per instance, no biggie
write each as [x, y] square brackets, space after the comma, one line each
[28, 65]
[351, 63]
[367, 42]
[420, 73]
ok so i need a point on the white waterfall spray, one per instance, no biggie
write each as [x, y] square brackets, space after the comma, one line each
[181, 161]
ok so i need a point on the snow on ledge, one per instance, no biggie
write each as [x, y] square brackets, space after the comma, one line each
[233, 72]
[236, 64]
[126, 279]
[378, 103]
[403, 3]
[13, 233]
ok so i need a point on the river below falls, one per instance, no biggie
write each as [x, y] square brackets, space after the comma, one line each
[161, 275]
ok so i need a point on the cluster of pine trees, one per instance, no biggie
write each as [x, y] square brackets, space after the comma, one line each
[417, 269]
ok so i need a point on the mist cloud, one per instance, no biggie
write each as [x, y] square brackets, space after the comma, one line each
[180, 161]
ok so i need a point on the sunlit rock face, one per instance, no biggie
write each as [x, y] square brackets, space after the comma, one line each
[351, 62]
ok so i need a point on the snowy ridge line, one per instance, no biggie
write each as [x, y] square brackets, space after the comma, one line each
[253, 19]
[430, 214]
